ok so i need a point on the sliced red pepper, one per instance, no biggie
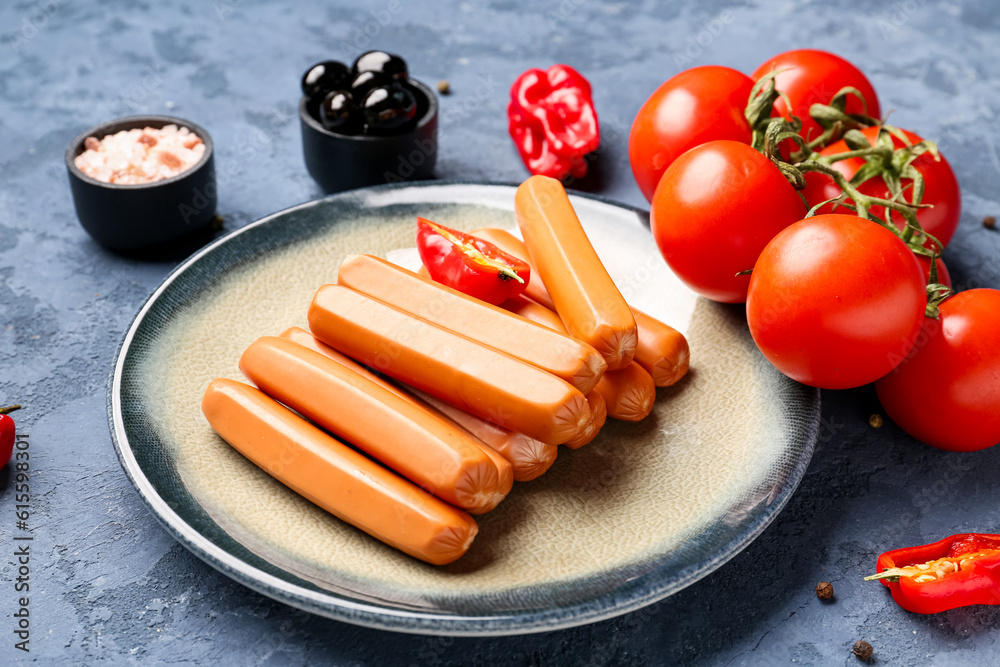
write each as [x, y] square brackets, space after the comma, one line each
[470, 264]
[553, 122]
[954, 572]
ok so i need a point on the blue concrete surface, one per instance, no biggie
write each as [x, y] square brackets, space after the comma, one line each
[108, 584]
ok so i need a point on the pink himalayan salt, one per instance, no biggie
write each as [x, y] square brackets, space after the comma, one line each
[140, 156]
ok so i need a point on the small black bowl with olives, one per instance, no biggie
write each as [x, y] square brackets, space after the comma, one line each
[367, 124]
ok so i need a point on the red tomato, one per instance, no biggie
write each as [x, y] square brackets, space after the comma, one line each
[940, 187]
[836, 301]
[698, 105]
[947, 392]
[715, 209]
[814, 77]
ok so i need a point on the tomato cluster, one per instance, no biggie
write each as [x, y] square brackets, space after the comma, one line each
[786, 191]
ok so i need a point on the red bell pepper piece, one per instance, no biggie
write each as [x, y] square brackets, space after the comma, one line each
[955, 572]
[7, 432]
[470, 264]
[553, 121]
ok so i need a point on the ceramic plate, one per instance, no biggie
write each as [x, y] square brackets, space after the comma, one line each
[636, 515]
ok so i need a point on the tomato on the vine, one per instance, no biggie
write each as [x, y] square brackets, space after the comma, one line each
[698, 105]
[836, 301]
[814, 77]
[715, 209]
[941, 189]
[947, 392]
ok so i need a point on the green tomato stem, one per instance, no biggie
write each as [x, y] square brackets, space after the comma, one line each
[847, 155]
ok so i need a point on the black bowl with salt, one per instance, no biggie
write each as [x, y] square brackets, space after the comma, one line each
[142, 216]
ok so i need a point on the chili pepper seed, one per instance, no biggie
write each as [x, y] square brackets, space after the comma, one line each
[875, 420]
[444, 87]
[989, 222]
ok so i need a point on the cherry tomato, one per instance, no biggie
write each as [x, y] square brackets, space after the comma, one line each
[836, 301]
[941, 189]
[715, 209]
[698, 105]
[814, 77]
[947, 392]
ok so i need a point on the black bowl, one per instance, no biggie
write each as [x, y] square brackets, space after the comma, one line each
[143, 216]
[343, 162]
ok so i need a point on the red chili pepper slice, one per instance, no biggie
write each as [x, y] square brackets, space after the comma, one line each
[470, 264]
[954, 572]
[7, 433]
[553, 122]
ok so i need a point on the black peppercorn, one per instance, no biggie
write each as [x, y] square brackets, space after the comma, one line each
[863, 650]
[824, 590]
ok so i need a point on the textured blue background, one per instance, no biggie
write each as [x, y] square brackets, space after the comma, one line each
[109, 584]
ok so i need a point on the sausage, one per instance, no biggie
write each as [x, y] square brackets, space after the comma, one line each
[534, 311]
[505, 469]
[512, 245]
[400, 434]
[598, 408]
[539, 314]
[456, 369]
[662, 350]
[599, 414]
[628, 393]
[583, 293]
[565, 357]
[330, 474]
[528, 457]
[303, 337]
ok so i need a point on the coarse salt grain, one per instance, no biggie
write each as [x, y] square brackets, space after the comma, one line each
[140, 156]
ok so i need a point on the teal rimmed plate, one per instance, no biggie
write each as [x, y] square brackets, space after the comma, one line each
[638, 514]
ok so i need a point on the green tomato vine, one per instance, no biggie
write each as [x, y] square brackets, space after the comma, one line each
[882, 160]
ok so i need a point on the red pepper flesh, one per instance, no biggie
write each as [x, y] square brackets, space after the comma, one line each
[957, 571]
[553, 122]
[470, 264]
[7, 433]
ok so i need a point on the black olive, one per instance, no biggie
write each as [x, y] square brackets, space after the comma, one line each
[337, 112]
[381, 62]
[388, 108]
[323, 77]
[362, 83]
